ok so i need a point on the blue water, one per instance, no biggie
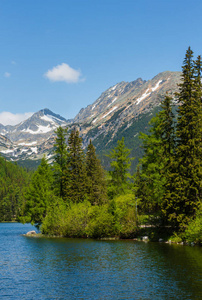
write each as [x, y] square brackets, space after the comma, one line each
[45, 268]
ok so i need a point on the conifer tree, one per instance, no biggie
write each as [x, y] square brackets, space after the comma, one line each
[183, 190]
[60, 160]
[39, 194]
[167, 128]
[158, 150]
[96, 185]
[120, 166]
[75, 177]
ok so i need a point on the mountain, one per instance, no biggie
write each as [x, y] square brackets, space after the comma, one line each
[122, 110]
[31, 138]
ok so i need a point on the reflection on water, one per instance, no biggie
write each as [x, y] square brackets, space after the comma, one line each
[45, 268]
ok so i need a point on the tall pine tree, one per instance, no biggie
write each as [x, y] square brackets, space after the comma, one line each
[96, 184]
[75, 176]
[120, 165]
[60, 160]
[158, 150]
[39, 195]
[183, 189]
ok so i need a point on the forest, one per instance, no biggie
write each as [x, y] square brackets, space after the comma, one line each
[75, 197]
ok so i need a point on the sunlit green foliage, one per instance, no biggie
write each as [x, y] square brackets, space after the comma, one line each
[13, 180]
[75, 181]
[193, 232]
[117, 219]
[184, 182]
[38, 195]
[96, 182]
[119, 181]
[158, 151]
[60, 160]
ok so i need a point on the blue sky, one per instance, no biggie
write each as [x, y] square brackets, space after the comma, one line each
[62, 54]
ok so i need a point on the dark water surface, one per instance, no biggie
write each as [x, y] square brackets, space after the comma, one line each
[45, 268]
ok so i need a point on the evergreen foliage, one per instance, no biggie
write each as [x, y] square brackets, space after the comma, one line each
[158, 151]
[75, 177]
[38, 195]
[183, 188]
[60, 160]
[13, 180]
[96, 183]
[120, 165]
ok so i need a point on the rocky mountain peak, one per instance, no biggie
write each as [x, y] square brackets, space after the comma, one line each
[131, 97]
[114, 114]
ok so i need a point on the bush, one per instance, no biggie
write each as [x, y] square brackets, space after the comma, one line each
[117, 218]
[78, 216]
[101, 222]
[55, 221]
[126, 215]
[193, 233]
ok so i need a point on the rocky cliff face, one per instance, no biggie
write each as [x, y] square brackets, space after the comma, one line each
[122, 110]
[122, 104]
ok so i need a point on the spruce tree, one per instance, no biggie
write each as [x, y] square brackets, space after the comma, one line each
[60, 160]
[96, 185]
[39, 194]
[120, 165]
[158, 150]
[183, 189]
[167, 128]
[75, 177]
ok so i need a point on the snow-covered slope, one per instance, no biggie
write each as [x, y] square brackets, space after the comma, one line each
[28, 139]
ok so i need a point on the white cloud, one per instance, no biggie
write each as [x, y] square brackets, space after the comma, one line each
[7, 118]
[6, 74]
[64, 73]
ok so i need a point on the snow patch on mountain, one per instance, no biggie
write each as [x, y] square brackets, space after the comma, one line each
[94, 120]
[27, 144]
[112, 102]
[156, 86]
[7, 151]
[114, 87]
[50, 118]
[24, 150]
[115, 107]
[145, 95]
[41, 129]
[34, 149]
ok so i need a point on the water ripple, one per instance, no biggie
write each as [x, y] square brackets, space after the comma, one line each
[42, 268]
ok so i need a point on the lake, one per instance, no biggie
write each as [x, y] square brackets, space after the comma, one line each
[59, 268]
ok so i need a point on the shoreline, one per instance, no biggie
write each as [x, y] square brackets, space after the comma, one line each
[144, 239]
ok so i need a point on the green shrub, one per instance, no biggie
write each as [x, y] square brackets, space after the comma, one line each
[101, 222]
[78, 216]
[176, 238]
[55, 221]
[126, 215]
[193, 233]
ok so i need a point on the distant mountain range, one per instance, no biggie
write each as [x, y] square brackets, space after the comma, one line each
[122, 110]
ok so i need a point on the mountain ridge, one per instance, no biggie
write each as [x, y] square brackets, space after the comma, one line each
[117, 112]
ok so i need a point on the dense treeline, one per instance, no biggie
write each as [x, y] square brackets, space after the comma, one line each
[169, 181]
[13, 180]
[75, 197]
